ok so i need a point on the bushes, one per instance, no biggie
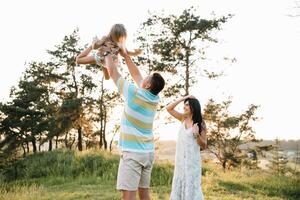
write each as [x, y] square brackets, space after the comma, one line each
[162, 175]
[69, 163]
[64, 163]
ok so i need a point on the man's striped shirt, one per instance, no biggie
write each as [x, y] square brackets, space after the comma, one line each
[137, 120]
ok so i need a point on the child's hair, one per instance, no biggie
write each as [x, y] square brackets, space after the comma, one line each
[117, 31]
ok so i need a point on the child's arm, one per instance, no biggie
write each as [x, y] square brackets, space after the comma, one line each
[136, 52]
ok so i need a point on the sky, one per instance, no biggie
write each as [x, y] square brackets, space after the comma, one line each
[261, 36]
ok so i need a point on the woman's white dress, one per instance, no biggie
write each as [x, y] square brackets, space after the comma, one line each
[186, 184]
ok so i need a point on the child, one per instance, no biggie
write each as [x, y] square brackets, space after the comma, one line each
[111, 44]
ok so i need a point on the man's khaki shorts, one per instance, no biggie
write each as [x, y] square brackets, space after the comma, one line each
[134, 170]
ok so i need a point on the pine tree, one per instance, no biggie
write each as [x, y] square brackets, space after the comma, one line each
[279, 159]
[174, 44]
[227, 132]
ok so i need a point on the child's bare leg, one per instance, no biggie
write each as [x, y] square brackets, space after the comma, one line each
[84, 58]
[105, 73]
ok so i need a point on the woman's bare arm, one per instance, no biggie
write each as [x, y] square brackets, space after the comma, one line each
[202, 139]
[171, 108]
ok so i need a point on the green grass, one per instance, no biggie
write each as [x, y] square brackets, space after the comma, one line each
[92, 175]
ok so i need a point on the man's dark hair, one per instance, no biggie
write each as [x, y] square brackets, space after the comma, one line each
[157, 83]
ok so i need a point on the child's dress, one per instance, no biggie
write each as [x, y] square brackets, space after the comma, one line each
[111, 48]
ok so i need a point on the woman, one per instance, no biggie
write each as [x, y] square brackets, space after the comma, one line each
[186, 184]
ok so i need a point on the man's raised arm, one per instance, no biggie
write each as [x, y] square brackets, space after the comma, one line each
[133, 70]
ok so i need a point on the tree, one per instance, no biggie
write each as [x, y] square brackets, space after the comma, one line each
[107, 101]
[297, 9]
[56, 99]
[297, 155]
[279, 159]
[175, 44]
[26, 117]
[77, 85]
[46, 75]
[226, 132]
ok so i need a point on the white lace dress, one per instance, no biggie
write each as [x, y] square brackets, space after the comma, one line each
[186, 184]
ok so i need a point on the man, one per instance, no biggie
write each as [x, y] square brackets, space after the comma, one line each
[136, 137]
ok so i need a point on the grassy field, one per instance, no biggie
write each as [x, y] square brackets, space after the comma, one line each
[92, 175]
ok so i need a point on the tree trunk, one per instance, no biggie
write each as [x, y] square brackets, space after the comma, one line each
[71, 144]
[27, 146]
[111, 142]
[224, 166]
[56, 142]
[33, 141]
[101, 127]
[50, 145]
[66, 140]
[24, 150]
[187, 74]
[40, 144]
[101, 115]
[80, 138]
[104, 129]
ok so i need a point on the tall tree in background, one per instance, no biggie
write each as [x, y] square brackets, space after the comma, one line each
[226, 132]
[55, 100]
[175, 44]
[77, 86]
[27, 116]
[107, 101]
[46, 76]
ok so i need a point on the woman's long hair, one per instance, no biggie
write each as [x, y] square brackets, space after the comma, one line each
[195, 108]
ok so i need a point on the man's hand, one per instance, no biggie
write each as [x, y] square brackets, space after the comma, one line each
[133, 70]
[123, 53]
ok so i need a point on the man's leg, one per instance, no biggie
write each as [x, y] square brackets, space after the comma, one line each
[128, 195]
[129, 174]
[144, 194]
[144, 185]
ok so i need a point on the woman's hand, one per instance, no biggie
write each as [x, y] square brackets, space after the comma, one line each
[189, 96]
[195, 130]
[202, 139]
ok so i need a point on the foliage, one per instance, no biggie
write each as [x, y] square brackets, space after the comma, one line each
[227, 132]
